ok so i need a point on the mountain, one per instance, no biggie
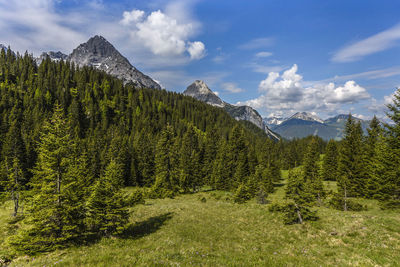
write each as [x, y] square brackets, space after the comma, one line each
[303, 124]
[273, 121]
[55, 56]
[101, 54]
[3, 47]
[306, 116]
[200, 91]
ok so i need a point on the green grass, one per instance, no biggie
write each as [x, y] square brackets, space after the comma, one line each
[186, 231]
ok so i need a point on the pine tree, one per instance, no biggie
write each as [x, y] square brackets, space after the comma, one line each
[298, 211]
[330, 162]
[220, 173]
[374, 138]
[166, 184]
[13, 183]
[47, 210]
[312, 180]
[392, 162]
[351, 168]
[107, 212]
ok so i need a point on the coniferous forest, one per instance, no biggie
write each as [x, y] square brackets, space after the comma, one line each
[74, 140]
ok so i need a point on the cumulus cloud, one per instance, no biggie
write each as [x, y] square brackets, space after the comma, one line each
[162, 34]
[132, 17]
[286, 92]
[196, 50]
[231, 87]
[373, 44]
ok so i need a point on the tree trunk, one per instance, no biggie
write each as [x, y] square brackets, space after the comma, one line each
[345, 198]
[298, 213]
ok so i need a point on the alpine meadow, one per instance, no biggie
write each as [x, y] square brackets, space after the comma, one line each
[104, 165]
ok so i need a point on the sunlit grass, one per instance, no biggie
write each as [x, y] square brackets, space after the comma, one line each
[187, 231]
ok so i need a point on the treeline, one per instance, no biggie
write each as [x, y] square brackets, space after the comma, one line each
[363, 166]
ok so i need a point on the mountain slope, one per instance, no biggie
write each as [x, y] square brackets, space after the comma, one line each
[200, 91]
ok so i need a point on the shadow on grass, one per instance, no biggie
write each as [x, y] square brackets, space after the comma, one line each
[278, 184]
[149, 226]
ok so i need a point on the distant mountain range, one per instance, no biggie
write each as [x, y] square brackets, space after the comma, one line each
[199, 90]
[303, 124]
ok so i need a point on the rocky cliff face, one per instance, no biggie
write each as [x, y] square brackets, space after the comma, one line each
[200, 91]
[98, 52]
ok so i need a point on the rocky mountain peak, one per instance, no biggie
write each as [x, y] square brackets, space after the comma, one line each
[101, 54]
[307, 117]
[199, 90]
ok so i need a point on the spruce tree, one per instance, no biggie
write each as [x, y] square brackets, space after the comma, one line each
[392, 170]
[166, 183]
[330, 162]
[298, 211]
[312, 180]
[107, 212]
[351, 168]
[48, 212]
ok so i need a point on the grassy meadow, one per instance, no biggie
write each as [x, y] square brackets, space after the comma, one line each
[208, 229]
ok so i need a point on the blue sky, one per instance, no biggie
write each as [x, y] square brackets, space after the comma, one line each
[280, 57]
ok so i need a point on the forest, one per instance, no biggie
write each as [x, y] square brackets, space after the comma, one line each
[74, 139]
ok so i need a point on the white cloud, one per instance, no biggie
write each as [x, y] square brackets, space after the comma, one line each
[231, 87]
[36, 26]
[196, 50]
[257, 43]
[132, 17]
[162, 34]
[373, 44]
[263, 54]
[286, 93]
[348, 93]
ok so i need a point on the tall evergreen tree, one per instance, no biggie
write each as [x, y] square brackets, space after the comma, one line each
[330, 162]
[107, 212]
[166, 183]
[312, 180]
[351, 168]
[48, 212]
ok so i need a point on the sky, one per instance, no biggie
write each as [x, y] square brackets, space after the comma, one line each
[278, 56]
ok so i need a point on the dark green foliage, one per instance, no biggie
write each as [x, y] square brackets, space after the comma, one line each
[107, 212]
[351, 170]
[338, 202]
[330, 162]
[312, 180]
[167, 183]
[298, 211]
[242, 194]
[292, 211]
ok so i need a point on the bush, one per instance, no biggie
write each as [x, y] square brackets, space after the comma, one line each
[291, 215]
[136, 197]
[242, 194]
[337, 202]
[390, 204]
